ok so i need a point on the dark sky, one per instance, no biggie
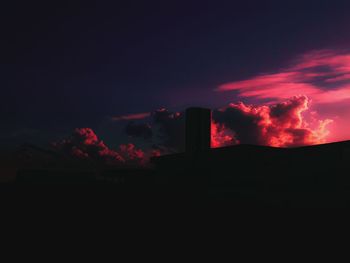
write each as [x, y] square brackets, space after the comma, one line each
[68, 65]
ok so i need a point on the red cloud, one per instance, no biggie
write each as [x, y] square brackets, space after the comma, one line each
[280, 125]
[221, 136]
[130, 152]
[310, 75]
[137, 116]
[84, 144]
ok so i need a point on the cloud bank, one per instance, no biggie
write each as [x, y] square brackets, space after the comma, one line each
[280, 125]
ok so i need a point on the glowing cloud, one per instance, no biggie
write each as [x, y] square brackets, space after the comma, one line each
[84, 144]
[323, 76]
[221, 136]
[280, 125]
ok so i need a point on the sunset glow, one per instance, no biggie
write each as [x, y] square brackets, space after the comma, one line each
[323, 77]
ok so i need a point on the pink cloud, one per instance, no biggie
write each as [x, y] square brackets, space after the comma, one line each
[279, 125]
[310, 75]
[84, 144]
[260, 81]
[136, 116]
[221, 136]
[130, 152]
[333, 96]
[344, 77]
[339, 62]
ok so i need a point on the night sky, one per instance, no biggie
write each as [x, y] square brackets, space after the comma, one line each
[98, 65]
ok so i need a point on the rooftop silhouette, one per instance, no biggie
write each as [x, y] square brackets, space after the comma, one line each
[242, 174]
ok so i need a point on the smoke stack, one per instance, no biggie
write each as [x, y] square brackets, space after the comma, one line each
[198, 134]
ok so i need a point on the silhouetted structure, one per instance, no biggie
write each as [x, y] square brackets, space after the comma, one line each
[241, 174]
[198, 132]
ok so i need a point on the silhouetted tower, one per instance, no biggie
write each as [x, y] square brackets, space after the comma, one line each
[198, 123]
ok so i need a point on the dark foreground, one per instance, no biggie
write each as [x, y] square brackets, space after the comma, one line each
[242, 176]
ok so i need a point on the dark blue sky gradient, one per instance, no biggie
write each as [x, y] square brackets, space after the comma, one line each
[71, 65]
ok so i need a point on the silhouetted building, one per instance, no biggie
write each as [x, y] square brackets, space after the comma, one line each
[242, 174]
[198, 132]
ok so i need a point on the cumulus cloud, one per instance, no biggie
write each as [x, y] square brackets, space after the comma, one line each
[222, 136]
[165, 129]
[166, 133]
[84, 144]
[280, 125]
[130, 153]
[323, 76]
